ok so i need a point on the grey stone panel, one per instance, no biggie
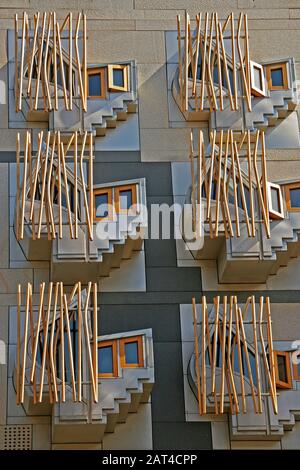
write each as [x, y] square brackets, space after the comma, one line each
[173, 279]
[122, 157]
[7, 157]
[187, 436]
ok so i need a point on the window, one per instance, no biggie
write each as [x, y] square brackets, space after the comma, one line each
[107, 359]
[283, 369]
[131, 352]
[118, 77]
[292, 196]
[275, 201]
[103, 203]
[257, 79]
[96, 83]
[125, 197]
[296, 369]
[277, 76]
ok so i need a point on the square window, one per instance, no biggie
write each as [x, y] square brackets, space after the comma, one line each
[277, 76]
[275, 201]
[125, 198]
[118, 77]
[107, 359]
[295, 197]
[257, 79]
[96, 83]
[131, 352]
[283, 369]
[103, 204]
[297, 369]
[292, 197]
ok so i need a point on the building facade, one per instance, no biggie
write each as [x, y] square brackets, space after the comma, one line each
[150, 188]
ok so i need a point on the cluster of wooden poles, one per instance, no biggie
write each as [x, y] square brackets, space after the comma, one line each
[222, 170]
[53, 321]
[46, 172]
[41, 52]
[227, 324]
[208, 44]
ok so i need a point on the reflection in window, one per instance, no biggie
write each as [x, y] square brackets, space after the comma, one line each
[277, 77]
[118, 77]
[95, 84]
[105, 360]
[131, 353]
[295, 197]
[101, 205]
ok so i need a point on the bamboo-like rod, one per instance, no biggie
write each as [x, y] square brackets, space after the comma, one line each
[244, 80]
[28, 294]
[45, 343]
[208, 196]
[232, 105]
[226, 204]
[24, 187]
[75, 187]
[240, 360]
[42, 201]
[247, 51]
[250, 183]
[49, 198]
[247, 360]
[91, 178]
[18, 186]
[218, 185]
[45, 61]
[235, 195]
[60, 227]
[66, 190]
[223, 353]
[229, 364]
[81, 87]
[62, 345]
[31, 178]
[197, 362]
[79, 365]
[71, 360]
[19, 303]
[191, 59]
[51, 345]
[37, 331]
[198, 38]
[95, 342]
[180, 61]
[32, 338]
[37, 169]
[193, 195]
[259, 191]
[186, 64]
[84, 63]
[257, 366]
[17, 90]
[203, 62]
[70, 63]
[244, 204]
[62, 70]
[215, 343]
[88, 346]
[40, 58]
[203, 350]
[54, 61]
[234, 65]
[219, 63]
[87, 214]
[264, 181]
[35, 35]
[201, 155]
[22, 62]
[270, 343]
[210, 86]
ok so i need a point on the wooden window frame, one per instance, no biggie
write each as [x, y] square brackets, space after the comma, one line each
[283, 67]
[111, 85]
[126, 187]
[287, 188]
[132, 339]
[277, 215]
[115, 372]
[99, 191]
[296, 374]
[280, 383]
[254, 89]
[102, 72]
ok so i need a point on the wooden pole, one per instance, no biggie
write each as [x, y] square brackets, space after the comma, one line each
[197, 362]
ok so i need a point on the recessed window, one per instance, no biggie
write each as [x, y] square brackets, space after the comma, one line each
[283, 369]
[257, 79]
[292, 196]
[96, 83]
[277, 76]
[131, 352]
[102, 203]
[107, 359]
[125, 198]
[275, 202]
[118, 77]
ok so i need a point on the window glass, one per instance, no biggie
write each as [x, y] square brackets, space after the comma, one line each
[101, 202]
[118, 77]
[277, 77]
[295, 197]
[297, 367]
[105, 360]
[125, 198]
[257, 78]
[95, 84]
[275, 200]
[131, 353]
[282, 372]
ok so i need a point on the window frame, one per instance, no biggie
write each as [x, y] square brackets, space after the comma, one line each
[287, 188]
[115, 372]
[97, 71]
[100, 191]
[125, 187]
[280, 383]
[277, 215]
[132, 339]
[254, 89]
[283, 67]
[110, 69]
[296, 374]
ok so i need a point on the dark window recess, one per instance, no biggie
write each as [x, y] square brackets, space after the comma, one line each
[282, 372]
[95, 85]
[105, 360]
[63, 197]
[101, 202]
[131, 353]
[125, 198]
[277, 77]
[118, 77]
[295, 197]
[215, 73]
[74, 340]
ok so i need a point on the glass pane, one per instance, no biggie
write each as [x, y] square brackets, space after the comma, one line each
[95, 85]
[131, 353]
[257, 77]
[275, 200]
[282, 372]
[298, 367]
[125, 198]
[277, 77]
[105, 359]
[295, 197]
[118, 77]
[101, 202]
